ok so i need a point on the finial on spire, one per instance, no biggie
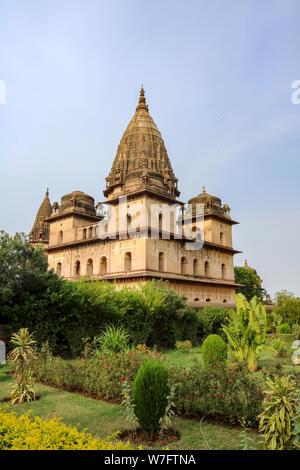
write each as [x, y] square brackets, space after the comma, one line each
[47, 192]
[246, 264]
[203, 190]
[142, 100]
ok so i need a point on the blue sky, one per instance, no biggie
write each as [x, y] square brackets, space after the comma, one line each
[218, 81]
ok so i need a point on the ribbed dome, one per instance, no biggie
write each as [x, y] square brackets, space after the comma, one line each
[204, 198]
[79, 200]
[141, 160]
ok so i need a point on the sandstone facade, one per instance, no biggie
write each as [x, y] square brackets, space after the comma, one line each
[137, 237]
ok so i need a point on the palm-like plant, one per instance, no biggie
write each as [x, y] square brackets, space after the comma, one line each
[114, 339]
[21, 358]
[246, 330]
[280, 409]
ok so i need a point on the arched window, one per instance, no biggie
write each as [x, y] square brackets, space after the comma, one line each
[77, 268]
[60, 238]
[161, 262]
[183, 265]
[103, 265]
[89, 267]
[84, 233]
[208, 300]
[206, 269]
[127, 264]
[196, 267]
[160, 221]
[223, 271]
[222, 238]
[90, 232]
[58, 269]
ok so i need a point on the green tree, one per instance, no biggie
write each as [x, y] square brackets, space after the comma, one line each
[23, 270]
[252, 283]
[288, 307]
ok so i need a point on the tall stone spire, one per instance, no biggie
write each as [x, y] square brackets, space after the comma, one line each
[141, 161]
[40, 229]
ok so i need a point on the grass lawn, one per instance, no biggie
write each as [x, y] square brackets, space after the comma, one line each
[102, 418]
[267, 359]
[183, 359]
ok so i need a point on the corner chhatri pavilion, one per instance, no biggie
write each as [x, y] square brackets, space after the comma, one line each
[141, 173]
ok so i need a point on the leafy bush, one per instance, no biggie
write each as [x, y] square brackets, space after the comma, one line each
[99, 376]
[214, 350]
[218, 392]
[113, 339]
[280, 407]
[213, 318]
[284, 328]
[150, 392]
[238, 393]
[280, 348]
[66, 313]
[296, 330]
[32, 433]
[21, 357]
[183, 346]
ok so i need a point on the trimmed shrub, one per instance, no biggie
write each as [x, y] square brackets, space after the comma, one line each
[27, 433]
[284, 328]
[214, 350]
[150, 395]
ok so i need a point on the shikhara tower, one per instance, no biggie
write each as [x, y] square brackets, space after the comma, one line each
[142, 175]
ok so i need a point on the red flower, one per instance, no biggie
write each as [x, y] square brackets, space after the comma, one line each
[184, 372]
[259, 391]
[156, 352]
[228, 382]
[130, 352]
[216, 387]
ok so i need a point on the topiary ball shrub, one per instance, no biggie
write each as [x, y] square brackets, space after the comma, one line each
[214, 350]
[284, 329]
[149, 392]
